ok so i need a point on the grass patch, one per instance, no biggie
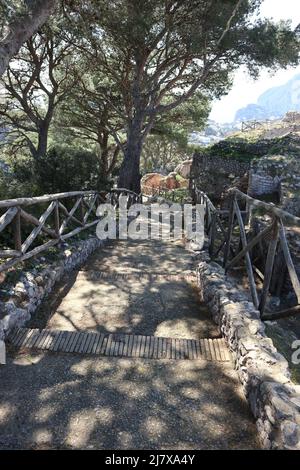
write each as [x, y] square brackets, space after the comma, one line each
[283, 339]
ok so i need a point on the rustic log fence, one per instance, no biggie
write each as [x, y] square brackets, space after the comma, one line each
[114, 195]
[231, 228]
[66, 215]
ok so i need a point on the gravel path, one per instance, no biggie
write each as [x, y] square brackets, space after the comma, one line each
[66, 401]
[142, 292]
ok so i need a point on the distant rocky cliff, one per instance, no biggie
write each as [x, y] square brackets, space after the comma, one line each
[273, 103]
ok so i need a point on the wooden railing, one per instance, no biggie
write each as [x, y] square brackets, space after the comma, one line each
[275, 233]
[63, 216]
[114, 197]
[214, 223]
[221, 227]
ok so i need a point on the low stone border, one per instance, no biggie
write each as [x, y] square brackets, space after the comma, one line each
[34, 285]
[262, 370]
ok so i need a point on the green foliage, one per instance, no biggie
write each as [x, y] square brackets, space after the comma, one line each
[238, 149]
[162, 154]
[245, 149]
[36, 82]
[17, 184]
[179, 195]
[178, 123]
[65, 169]
[158, 54]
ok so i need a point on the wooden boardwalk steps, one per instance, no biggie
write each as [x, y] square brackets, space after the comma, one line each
[96, 275]
[120, 345]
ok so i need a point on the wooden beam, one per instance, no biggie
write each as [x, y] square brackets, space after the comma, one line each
[56, 219]
[67, 213]
[70, 215]
[289, 262]
[229, 233]
[28, 201]
[9, 253]
[90, 207]
[250, 274]
[7, 218]
[258, 272]
[33, 220]
[249, 247]
[269, 266]
[78, 230]
[29, 254]
[290, 312]
[288, 218]
[42, 220]
[17, 230]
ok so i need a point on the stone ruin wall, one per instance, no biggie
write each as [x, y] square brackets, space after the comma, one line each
[263, 372]
[215, 174]
[261, 184]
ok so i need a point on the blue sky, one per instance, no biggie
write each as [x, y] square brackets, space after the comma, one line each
[246, 90]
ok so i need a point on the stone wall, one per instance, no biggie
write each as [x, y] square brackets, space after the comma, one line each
[214, 174]
[261, 183]
[263, 372]
[34, 285]
[284, 170]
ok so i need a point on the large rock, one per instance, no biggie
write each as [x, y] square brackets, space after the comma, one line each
[184, 168]
[154, 181]
[170, 181]
[150, 182]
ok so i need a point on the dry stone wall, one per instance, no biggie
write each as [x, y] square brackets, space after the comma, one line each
[33, 286]
[263, 372]
[214, 174]
[262, 183]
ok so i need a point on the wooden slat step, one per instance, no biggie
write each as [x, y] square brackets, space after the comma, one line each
[120, 345]
[97, 275]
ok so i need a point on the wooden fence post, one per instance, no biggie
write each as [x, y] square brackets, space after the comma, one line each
[212, 234]
[230, 230]
[56, 219]
[82, 211]
[17, 231]
[249, 268]
[289, 262]
[269, 266]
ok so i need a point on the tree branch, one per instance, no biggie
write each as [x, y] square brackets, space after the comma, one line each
[22, 28]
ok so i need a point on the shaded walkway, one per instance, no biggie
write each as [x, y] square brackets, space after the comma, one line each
[149, 288]
[56, 400]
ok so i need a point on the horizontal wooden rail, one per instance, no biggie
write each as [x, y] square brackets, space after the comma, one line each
[29, 201]
[286, 217]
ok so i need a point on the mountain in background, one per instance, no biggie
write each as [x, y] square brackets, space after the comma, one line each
[273, 103]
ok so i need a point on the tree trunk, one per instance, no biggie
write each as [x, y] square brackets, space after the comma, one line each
[130, 177]
[22, 28]
[42, 142]
[103, 143]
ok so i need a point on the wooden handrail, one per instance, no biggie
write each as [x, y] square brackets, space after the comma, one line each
[57, 217]
[286, 217]
[124, 190]
[28, 201]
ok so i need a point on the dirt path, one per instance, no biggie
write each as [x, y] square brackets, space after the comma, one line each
[51, 400]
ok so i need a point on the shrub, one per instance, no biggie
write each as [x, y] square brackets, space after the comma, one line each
[65, 168]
